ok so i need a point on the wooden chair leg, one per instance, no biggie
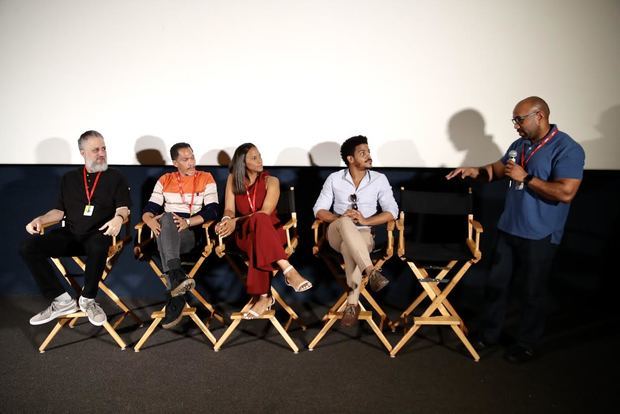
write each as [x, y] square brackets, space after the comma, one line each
[147, 334]
[203, 327]
[208, 306]
[226, 334]
[284, 334]
[373, 303]
[114, 335]
[61, 322]
[292, 314]
[120, 304]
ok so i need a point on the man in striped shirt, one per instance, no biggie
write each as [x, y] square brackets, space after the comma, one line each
[181, 201]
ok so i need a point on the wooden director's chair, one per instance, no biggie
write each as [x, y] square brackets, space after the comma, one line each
[335, 263]
[145, 249]
[239, 262]
[439, 234]
[118, 244]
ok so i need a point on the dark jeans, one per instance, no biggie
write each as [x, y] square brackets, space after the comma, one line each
[36, 250]
[527, 263]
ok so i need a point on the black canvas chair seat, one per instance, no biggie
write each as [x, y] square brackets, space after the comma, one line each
[436, 252]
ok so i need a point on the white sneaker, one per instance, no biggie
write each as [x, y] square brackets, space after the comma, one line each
[95, 314]
[53, 311]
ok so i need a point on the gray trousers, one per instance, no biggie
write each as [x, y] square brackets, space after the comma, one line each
[171, 243]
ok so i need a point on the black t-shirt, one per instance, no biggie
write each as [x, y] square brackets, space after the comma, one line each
[110, 193]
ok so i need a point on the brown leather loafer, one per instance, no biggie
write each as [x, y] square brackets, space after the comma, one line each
[350, 315]
[377, 281]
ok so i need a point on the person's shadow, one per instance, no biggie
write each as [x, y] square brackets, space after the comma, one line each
[602, 152]
[466, 130]
[150, 150]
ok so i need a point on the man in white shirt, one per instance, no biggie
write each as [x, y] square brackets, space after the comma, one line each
[348, 202]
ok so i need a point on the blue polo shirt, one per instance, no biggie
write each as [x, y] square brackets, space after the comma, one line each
[528, 215]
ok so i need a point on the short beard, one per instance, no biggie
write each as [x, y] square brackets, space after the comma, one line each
[94, 167]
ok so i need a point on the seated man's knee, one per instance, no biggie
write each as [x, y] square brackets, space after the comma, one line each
[344, 221]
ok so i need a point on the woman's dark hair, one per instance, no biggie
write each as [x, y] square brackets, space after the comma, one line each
[237, 167]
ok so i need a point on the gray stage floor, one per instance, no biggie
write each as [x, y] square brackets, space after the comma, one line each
[83, 370]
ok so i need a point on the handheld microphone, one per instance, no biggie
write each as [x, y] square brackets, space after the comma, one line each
[512, 156]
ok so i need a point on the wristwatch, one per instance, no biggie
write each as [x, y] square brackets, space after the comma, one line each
[527, 179]
[187, 221]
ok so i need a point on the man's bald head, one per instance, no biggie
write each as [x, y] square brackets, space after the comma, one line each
[534, 103]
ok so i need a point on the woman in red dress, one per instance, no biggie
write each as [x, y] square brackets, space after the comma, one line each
[249, 212]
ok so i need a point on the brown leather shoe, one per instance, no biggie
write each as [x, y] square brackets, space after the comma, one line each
[350, 315]
[377, 281]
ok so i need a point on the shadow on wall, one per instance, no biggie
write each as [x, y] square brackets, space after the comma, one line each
[53, 151]
[325, 154]
[150, 150]
[293, 156]
[602, 152]
[466, 131]
[219, 157]
[402, 153]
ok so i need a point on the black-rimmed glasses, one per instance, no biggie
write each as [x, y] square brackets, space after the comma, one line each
[353, 199]
[517, 120]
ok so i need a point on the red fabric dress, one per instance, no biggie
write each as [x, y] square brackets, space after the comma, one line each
[260, 236]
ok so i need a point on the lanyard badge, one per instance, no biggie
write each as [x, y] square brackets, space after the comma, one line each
[90, 208]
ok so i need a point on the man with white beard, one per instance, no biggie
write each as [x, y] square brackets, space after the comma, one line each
[94, 202]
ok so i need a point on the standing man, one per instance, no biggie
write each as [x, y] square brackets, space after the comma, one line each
[94, 201]
[348, 202]
[181, 201]
[545, 168]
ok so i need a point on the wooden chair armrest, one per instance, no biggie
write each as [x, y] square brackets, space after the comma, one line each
[46, 225]
[400, 225]
[477, 226]
[206, 225]
[389, 249]
[291, 223]
[220, 249]
[316, 224]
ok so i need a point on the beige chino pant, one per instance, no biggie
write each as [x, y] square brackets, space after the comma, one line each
[355, 245]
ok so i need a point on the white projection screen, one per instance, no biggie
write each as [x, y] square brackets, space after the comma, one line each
[431, 83]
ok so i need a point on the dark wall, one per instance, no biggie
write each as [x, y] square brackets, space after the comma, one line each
[583, 267]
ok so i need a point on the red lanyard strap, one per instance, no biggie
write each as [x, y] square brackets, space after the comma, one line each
[183, 194]
[542, 144]
[89, 195]
[252, 201]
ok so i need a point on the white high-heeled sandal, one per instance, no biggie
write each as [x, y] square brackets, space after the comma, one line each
[303, 286]
[252, 314]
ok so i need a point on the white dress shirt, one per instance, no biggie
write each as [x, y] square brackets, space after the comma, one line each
[373, 189]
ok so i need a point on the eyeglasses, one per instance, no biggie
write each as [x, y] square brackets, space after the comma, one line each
[353, 199]
[518, 120]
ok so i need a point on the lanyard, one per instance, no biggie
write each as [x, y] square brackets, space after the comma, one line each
[183, 195]
[252, 201]
[542, 144]
[89, 195]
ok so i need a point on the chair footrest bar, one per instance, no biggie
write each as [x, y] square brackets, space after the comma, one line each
[267, 315]
[436, 320]
[161, 314]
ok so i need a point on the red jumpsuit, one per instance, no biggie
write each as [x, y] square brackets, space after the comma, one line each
[260, 236]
